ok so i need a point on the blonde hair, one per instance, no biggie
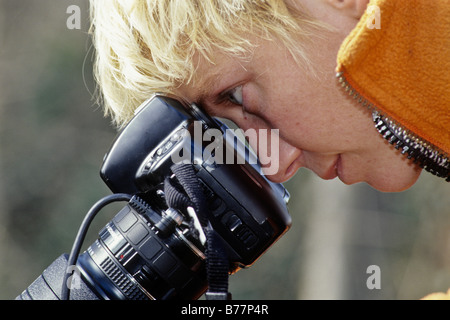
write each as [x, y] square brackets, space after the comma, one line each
[147, 46]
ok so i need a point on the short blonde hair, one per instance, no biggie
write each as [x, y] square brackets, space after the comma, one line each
[147, 46]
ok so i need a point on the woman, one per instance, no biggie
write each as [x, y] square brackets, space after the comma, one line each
[272, 64]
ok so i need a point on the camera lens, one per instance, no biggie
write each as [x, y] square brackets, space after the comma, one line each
[142, 255]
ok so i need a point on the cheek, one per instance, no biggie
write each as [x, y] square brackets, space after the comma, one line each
[309, 112]
[320, 124]
[307, 128]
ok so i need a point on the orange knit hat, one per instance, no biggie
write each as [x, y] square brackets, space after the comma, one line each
[400, 67]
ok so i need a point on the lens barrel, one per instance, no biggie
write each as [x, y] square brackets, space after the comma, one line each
[139, 255]
[145, 256]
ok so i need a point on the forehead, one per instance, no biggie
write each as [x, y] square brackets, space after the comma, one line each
[221, 71]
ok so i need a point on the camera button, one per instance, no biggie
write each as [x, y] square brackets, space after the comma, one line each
[127, 221]
[137, 233]
[233, 223]
[216, 205]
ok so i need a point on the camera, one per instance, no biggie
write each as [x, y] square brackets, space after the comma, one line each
[186, 209]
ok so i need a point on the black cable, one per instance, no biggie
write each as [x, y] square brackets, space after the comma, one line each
[82, 231]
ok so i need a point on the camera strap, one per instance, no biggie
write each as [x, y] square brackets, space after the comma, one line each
[186, 191]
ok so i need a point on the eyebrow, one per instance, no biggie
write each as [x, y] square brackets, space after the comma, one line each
[208, 85]
[205, 87]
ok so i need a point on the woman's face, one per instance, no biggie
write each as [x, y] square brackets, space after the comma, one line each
[320, 128]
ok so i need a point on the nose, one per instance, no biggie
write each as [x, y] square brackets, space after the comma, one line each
[279, 160]
[285, 165]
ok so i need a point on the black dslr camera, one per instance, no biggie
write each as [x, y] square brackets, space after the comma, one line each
[183, 198]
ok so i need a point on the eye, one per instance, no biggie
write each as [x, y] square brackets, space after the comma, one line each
[235, 96]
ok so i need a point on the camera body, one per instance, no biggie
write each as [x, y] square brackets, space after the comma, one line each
[151, 251]
[239, 196]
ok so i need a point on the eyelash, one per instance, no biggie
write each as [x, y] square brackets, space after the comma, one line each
[227, 97]
[233, 92]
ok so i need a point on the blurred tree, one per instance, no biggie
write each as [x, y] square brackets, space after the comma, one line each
[52, 136]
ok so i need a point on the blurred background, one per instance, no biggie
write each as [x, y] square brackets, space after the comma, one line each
[52, 141]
